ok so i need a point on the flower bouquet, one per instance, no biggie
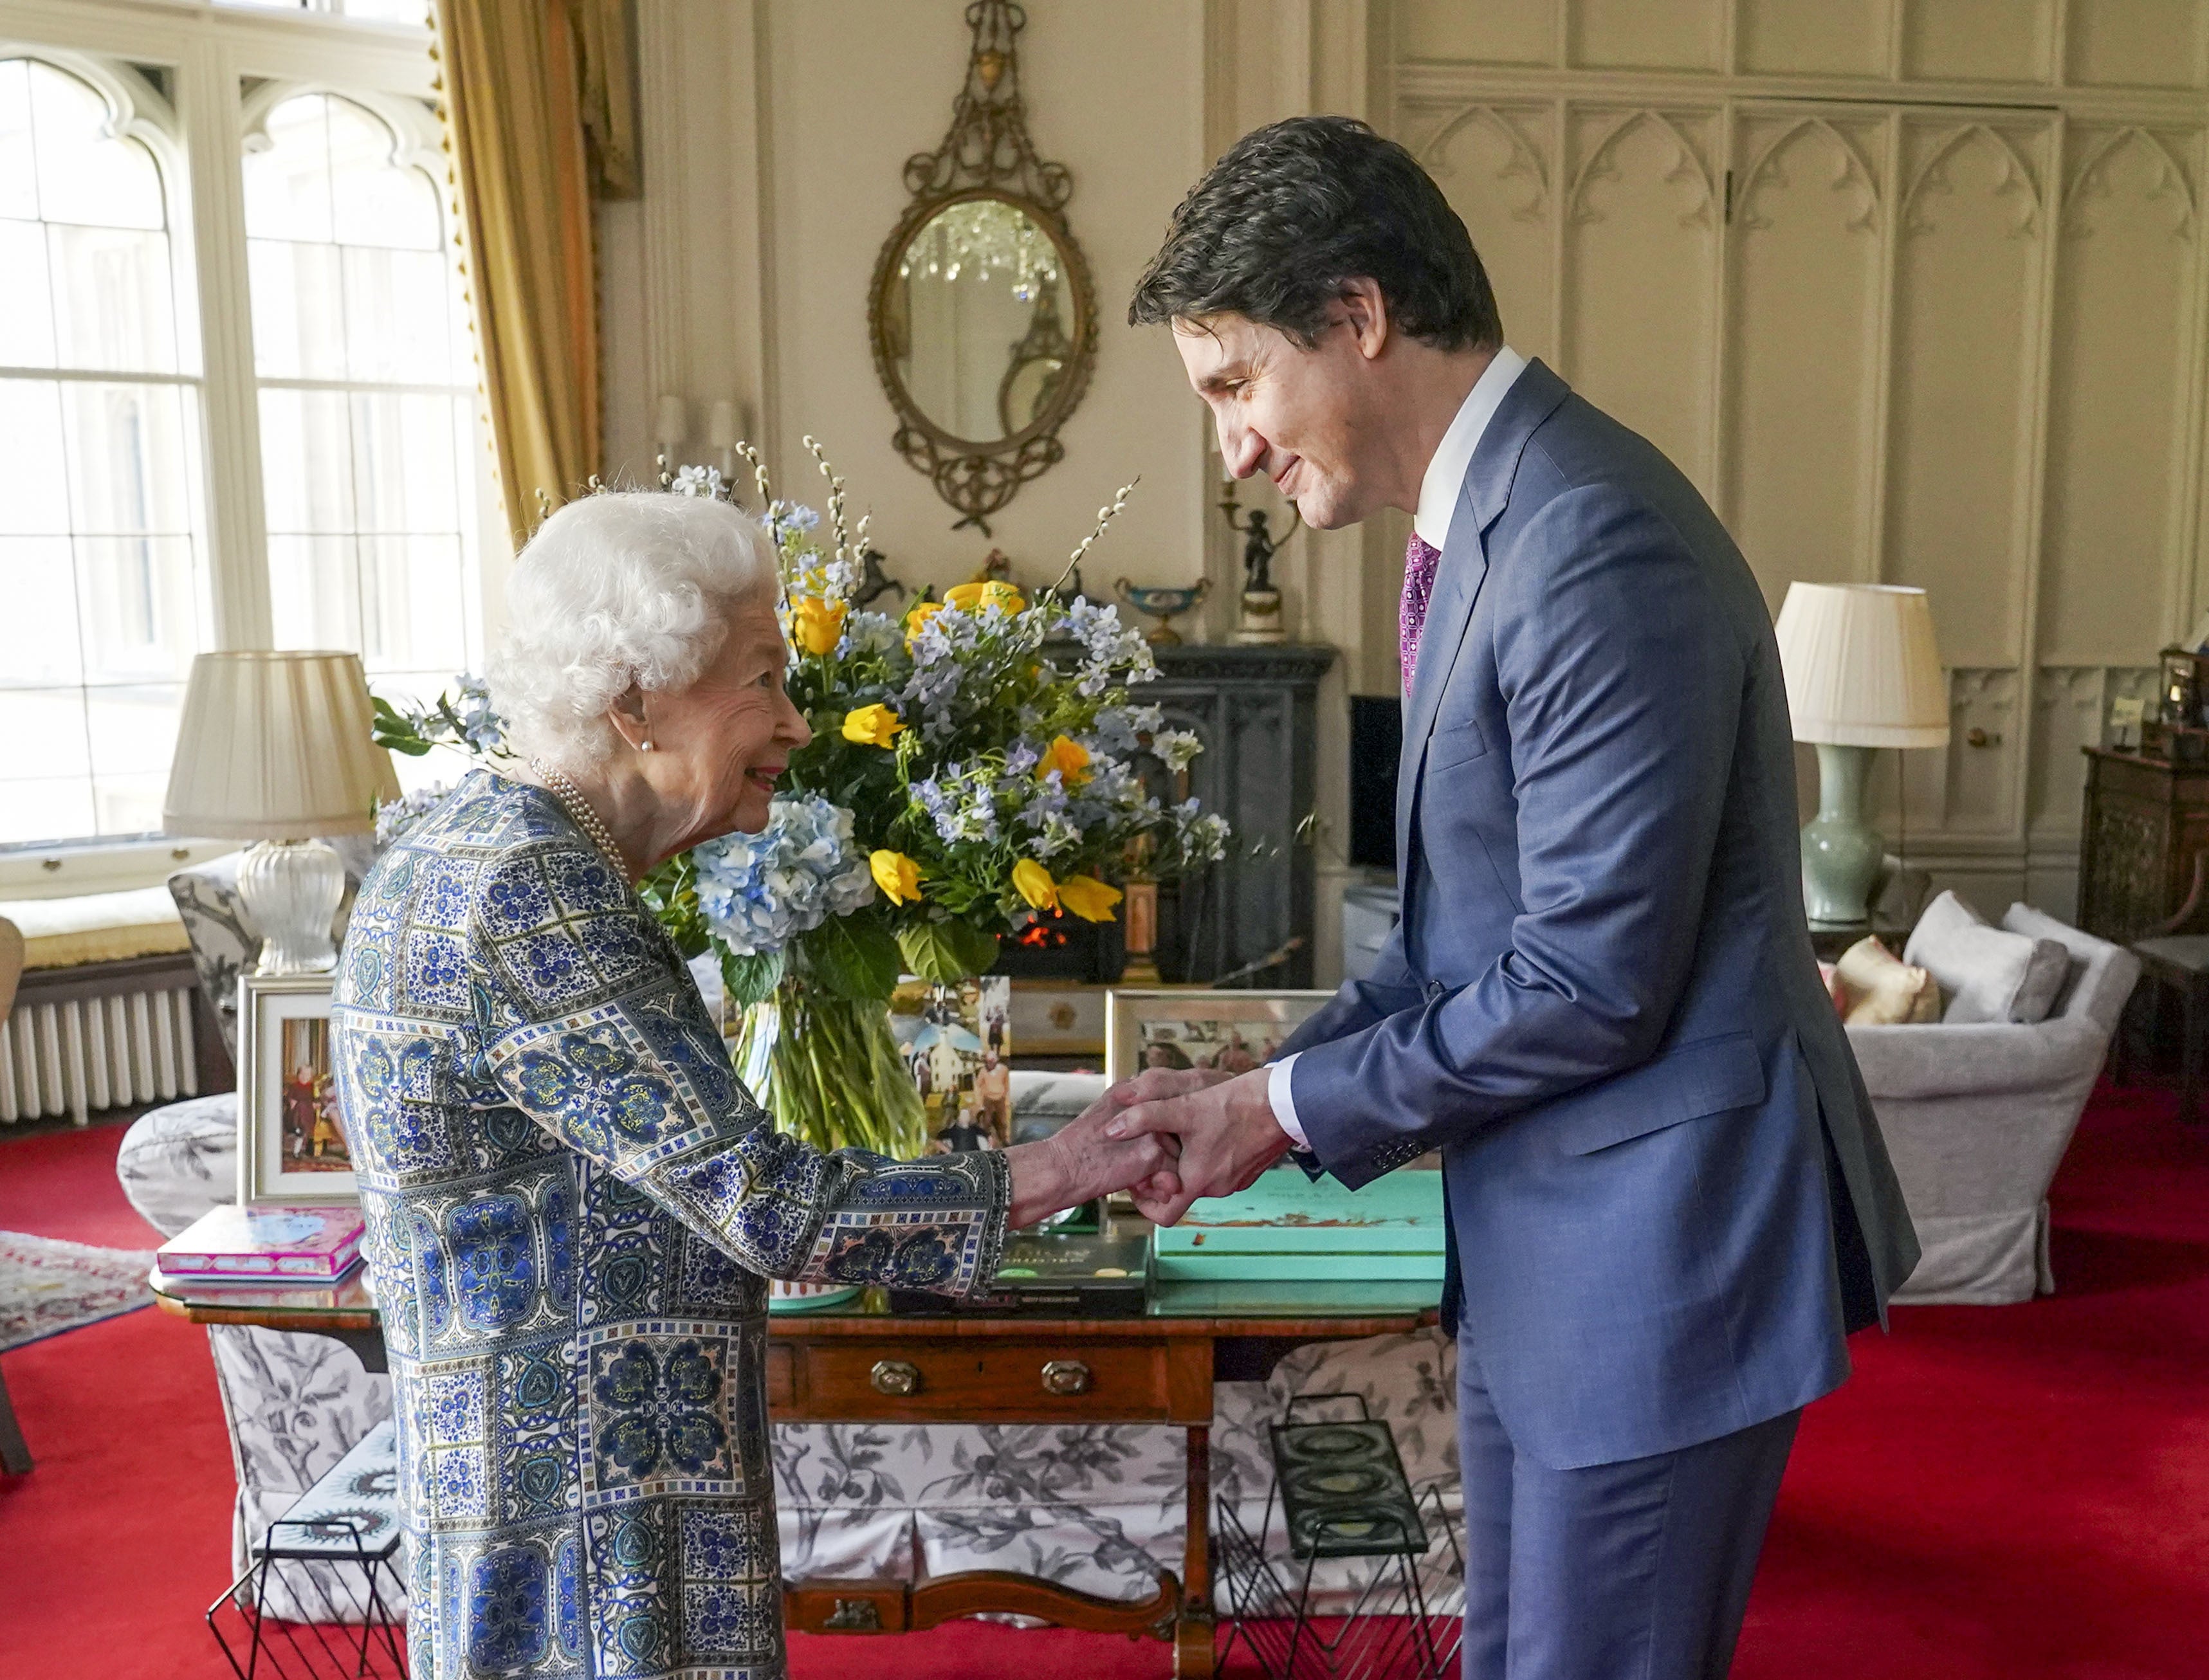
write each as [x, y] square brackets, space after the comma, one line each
[970, 772]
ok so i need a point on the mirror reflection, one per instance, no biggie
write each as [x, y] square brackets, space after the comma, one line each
[974, 320]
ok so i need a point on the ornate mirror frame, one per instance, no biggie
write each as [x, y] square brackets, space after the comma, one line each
[987, 154]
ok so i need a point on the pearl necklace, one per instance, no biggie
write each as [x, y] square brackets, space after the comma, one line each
[579, 813]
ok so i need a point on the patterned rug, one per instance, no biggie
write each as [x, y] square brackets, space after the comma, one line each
[48, 1286]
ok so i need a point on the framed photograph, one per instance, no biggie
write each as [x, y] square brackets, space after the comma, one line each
[957, 1043]
[290, 1147]
[1194, 1027]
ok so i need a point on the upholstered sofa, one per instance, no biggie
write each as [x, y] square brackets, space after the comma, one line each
[1099, 1508]
[1977, 1117]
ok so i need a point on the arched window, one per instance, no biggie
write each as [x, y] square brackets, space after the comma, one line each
[368, 452]
[103, 595]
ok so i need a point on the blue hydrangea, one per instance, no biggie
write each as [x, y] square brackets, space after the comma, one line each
[758, 891]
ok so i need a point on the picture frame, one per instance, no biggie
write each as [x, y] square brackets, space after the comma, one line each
[1195, 1027]
[291, 1147]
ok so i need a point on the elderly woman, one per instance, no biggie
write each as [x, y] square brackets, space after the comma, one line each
[573, 1204]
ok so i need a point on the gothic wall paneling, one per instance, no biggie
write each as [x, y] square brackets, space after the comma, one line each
[1967, 791]
[2136, 43]
[1498, 164]
[1809, 211]
[2122, 351]
[1645, 199]
[1979, 40]
[1489, 31]
[1960, 426]
[1647, 34]
[1822, 37]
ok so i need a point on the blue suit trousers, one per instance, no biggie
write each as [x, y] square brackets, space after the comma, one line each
[1638, 1570]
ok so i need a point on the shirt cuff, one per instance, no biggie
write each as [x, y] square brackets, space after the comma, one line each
[1283, 1100]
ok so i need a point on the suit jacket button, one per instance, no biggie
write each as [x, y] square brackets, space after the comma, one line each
[1434, 989]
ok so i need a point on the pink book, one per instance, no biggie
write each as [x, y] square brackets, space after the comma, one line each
[243, 1242]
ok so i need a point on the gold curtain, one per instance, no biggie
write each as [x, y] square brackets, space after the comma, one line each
[540, 120]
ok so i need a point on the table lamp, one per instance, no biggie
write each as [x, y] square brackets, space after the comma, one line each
[276, 748]
[1862, 673]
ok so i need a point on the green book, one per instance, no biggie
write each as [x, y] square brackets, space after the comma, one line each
[1289, 1226]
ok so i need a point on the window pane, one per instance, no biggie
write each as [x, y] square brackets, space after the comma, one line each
[39, 638]
[299, 321]
[404, 460]
[45, 731]
[306, 462]
[32, 808]
[19, 181]
[397, 324]
[379, 202]
[84, 174]
[114, 303]
[26, 312]
[415, 12]
[313, 591]
[133, 730]
[128, 466]
[130, 804]
[408, 589]
[139, 601]
[287, 175]
[33, 490]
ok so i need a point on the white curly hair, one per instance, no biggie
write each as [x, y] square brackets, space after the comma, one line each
[627, 588]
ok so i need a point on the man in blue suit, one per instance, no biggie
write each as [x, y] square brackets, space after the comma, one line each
[1668, 1202]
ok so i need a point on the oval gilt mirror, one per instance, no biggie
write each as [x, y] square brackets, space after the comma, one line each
[982, 316]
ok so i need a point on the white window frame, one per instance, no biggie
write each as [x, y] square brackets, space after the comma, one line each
[199, 136]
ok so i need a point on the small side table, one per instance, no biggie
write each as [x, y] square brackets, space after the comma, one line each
[1830, 939]
[2181, 960]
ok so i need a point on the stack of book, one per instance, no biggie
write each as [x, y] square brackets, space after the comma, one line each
[264, 1245]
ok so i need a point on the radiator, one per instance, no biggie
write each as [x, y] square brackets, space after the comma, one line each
[88, 1053]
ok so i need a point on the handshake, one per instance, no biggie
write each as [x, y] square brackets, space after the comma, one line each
[1166, 1137]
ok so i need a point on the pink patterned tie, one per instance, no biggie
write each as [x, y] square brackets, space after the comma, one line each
[1420, 560]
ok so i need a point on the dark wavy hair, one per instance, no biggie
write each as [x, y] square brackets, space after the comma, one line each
[1296, 208]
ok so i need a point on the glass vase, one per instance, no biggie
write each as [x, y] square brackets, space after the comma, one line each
[828, 1069]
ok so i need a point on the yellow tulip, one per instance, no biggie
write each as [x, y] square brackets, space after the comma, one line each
[1033, 881]
[916, 620]
[897, 874]
[818, 624]
[1089, 898]
[871, 725]
[995, 592]
[1066, 756]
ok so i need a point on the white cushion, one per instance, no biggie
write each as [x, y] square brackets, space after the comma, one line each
[1989, 974]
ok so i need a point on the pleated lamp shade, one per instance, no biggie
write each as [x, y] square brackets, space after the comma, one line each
[276, 746]
[1862, 669]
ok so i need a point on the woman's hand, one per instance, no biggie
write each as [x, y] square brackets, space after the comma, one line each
[1078, 1163]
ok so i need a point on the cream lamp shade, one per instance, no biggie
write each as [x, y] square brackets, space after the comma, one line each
[276, 746]
[1861, 666]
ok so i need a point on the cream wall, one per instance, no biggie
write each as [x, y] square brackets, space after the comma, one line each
[1910, 287]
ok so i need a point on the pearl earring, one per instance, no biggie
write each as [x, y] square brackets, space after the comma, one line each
[646, 745]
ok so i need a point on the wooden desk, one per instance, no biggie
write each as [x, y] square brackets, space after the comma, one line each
[858, 1363]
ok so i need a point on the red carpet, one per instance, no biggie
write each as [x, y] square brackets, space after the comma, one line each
[2012, 1493]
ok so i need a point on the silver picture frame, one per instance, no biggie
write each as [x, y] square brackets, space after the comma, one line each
[290, 1141]
[1200, 1026]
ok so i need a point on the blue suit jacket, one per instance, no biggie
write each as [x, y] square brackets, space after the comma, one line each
[1669, 1199]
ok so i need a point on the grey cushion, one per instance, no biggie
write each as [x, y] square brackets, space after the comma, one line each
[1988, 973]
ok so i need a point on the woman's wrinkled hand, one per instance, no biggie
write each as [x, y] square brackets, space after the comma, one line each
[1078, 1163]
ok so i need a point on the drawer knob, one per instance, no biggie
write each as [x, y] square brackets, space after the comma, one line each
[894, 1378]
[1065, 1376]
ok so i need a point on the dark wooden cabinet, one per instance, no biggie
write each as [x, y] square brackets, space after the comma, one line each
[1255, 710]
[2147, 820]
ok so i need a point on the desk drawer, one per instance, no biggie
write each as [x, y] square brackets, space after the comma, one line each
[978, 1380]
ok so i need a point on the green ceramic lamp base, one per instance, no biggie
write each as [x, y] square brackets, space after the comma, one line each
[1841, 853]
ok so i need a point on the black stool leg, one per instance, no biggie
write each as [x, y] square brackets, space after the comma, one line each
[15, 1451]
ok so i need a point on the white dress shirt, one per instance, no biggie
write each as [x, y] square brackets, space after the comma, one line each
[1438, 498]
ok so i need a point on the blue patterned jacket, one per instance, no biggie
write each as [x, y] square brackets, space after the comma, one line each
[573, 1206]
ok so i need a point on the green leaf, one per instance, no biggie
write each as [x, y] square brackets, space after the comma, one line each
[854, 956]
[946, 951]
[751, 979]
